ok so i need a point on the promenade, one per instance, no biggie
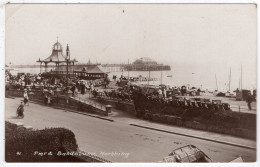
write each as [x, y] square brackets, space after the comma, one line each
[99, 136]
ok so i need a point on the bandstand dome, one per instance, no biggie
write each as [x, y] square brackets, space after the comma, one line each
[58, 58]
[57, 54]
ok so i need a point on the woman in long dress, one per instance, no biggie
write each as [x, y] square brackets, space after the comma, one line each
[26, 97]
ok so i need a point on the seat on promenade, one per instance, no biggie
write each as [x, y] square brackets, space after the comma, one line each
[194, 104]
[209, 105]
[204, 105]
[199, 104]
[216, 101]
[189, 103]
[216, 106]
[206, 100]
[226, 106]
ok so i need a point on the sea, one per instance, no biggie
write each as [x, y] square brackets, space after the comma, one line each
[190, 76]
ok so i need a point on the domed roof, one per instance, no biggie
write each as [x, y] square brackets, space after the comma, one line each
[57, 46]
[57, 55]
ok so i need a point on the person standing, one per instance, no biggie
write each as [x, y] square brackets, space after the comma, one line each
[164, 93]
[45, 98]
[73, 89]
[160, 93]
[83, 87]
[249, 101]
[26, 97]
[91, 87]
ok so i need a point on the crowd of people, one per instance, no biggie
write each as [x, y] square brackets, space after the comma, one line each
[160, 92]
[49, 86]
[53, 85]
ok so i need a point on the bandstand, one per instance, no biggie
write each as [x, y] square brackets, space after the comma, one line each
[57, 57]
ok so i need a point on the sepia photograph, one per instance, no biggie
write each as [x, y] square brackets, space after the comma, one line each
[130, 83]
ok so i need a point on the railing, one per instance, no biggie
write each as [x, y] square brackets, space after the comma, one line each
[104, 95]
[235, 108]
[92, 104]
[244, 109]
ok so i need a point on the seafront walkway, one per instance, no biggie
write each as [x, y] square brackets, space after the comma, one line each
[143, 140]
[130, 118]
[237, 106]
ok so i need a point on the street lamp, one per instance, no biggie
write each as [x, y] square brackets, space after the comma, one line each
[67, 76]
[68, 92]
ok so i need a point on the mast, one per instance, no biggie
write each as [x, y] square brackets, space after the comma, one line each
[122, 71]
[239, 83]
[128, 69]
[161, 76]
[216, 80]
[149, 76]
[241, 77]
[229, 79]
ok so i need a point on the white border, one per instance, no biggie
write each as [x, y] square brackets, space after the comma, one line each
[129, 1]
[2, 78]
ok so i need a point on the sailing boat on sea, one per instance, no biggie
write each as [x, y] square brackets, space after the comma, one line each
[215, 93]
[229, 93]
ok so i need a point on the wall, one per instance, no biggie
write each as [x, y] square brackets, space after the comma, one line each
[120, 105]
[59, 101]
[178, 121]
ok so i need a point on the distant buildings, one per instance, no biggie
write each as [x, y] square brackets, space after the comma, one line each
[142, 64]
[144, 61]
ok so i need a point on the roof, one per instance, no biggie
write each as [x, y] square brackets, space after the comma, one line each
[57, 54]
[95, 69]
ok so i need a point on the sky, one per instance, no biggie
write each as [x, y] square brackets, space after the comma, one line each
[207, 39]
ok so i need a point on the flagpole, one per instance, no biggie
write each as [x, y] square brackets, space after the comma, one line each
[241, 78]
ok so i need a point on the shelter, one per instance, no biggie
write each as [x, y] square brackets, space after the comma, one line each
[92, 72]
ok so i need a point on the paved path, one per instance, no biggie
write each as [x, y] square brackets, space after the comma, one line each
[129, 143]
[129, 118]
[236, 106]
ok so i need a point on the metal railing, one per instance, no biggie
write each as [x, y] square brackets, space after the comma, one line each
[243, 109]
[92, 104]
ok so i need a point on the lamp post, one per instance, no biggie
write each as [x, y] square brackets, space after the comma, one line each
[67, 61]
[68, 92]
